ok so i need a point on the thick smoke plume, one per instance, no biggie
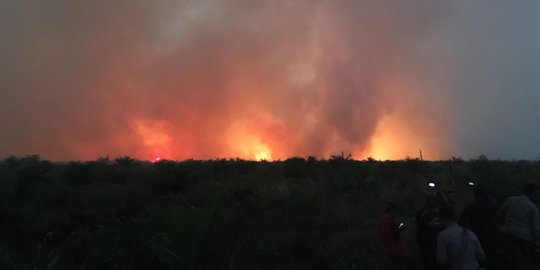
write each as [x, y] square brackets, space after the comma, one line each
[210, 79]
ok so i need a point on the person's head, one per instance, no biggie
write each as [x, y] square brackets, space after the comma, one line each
[391, 208]
[431, 202]
[479, 191]
[529, 190]
[447, 215]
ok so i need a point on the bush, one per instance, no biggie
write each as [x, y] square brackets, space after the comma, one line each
[220, 214]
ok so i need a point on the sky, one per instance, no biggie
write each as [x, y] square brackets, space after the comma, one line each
[204, 79]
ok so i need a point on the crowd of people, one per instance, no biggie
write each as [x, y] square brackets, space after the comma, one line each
[482, 237]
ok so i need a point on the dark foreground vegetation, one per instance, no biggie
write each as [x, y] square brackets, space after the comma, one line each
[221, 214]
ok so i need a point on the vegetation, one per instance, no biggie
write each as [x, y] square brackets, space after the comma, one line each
[221, 214]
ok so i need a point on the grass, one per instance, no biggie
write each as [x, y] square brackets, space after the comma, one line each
[221, 214]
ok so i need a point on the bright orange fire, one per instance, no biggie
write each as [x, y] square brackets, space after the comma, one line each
[263, 153]
[251, 148]
[258, 138]
[393, 139]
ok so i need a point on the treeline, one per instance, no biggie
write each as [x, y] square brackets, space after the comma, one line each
[221, 214]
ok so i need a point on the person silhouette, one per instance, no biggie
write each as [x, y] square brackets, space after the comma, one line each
[457, 247]
[479, 216]
[390, 231]
[521, 221]
[428, 227]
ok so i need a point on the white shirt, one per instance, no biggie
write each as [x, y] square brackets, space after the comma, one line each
[449, 246]
[521, 218]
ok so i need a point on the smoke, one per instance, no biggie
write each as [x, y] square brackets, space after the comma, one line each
[209, 79]
[489, 60]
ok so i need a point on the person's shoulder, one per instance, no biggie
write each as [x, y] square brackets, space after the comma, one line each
[513, 199]
[524, 199]
[442, 235]
[472, 235]
[531, 204]
[443, 231]
[450, 230]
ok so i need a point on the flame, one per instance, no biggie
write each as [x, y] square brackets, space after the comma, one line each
[263, 153]
[390, 141]
[257, 138]
[249, 146]
[253, 149]
[381, 148]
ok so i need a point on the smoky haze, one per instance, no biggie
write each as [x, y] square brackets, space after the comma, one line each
[267, 79]
[489, 57]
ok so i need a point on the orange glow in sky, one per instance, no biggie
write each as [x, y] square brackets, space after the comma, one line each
[156, 142]
[386, 143]
[395, 138]
[257, 80]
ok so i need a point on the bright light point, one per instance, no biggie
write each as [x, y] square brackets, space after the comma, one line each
[157, 159]
[431, 184]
